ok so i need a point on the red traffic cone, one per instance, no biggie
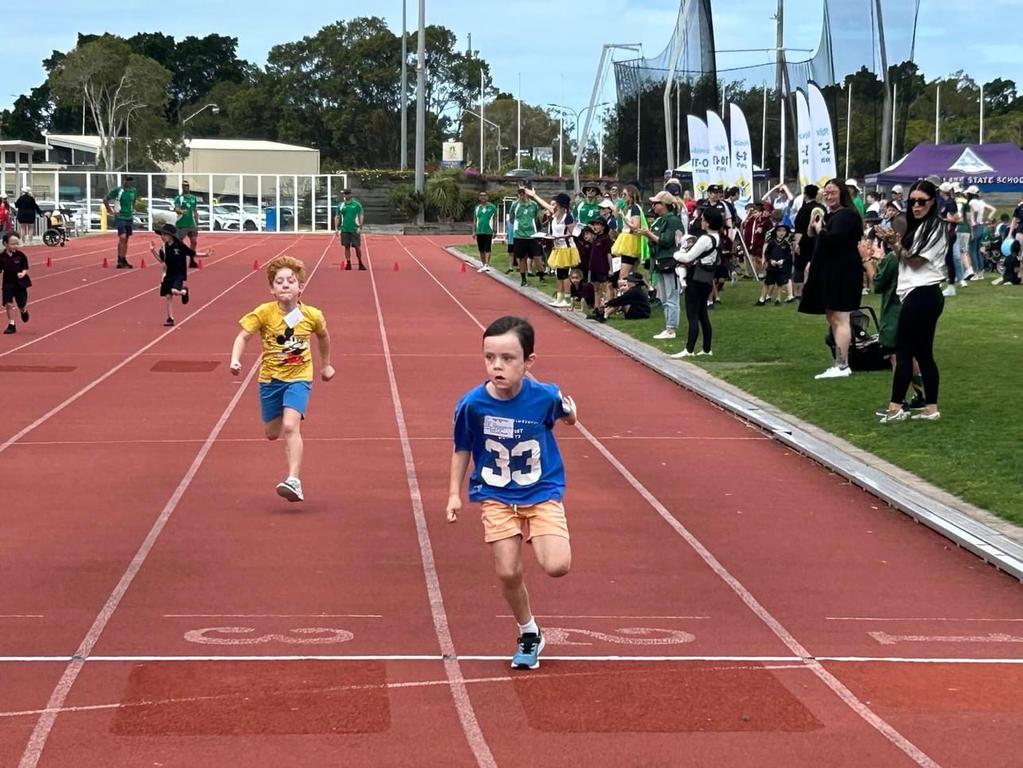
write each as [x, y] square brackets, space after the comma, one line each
[105, 263]
[199, 262]
[255, 264]
[395, 267]
[142, 264]
[49, 261]
[463, 269]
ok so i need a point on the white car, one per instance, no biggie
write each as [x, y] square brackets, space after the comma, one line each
[231, 215]
[162, 209]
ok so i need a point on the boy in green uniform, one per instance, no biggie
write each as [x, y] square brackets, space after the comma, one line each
[483, 228]
[526, 247]
[187, 224]
[123, 217]
[349, 219]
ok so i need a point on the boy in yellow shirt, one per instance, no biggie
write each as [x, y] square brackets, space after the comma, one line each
[286, 370]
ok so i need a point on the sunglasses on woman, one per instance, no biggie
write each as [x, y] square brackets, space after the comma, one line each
[919, 201]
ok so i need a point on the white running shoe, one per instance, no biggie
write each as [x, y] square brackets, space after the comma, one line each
[665, 334]
[926, 416]
[894, 416]
[481, 268]
[680, 355]
[968, 276]
[708, 354]
[950, 291]
[963, 283]
[835, 372]
[290, 489]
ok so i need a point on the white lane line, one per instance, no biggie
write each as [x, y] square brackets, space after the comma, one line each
[912, 619]
[690, 659]
[992, 637]
[147, 292]
[272, 615]
[533, 676]
[910, 749]
[110, 372]
[459, 693]
[584, 616]
[40, 734]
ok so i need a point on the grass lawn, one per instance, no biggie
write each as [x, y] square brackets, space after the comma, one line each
[974, 451]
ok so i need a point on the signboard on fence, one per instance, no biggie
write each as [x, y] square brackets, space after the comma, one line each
[452, 154]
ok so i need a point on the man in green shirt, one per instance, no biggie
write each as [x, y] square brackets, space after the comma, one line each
[348, 219]
[123, 214]
[483, 228]
[525, 246]
[185, 206]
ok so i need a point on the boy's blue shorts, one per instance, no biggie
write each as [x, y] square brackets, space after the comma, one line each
[275, 396]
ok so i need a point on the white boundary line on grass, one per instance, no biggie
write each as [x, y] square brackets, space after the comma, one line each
[459, 693]
[912, 751]
[40, 734]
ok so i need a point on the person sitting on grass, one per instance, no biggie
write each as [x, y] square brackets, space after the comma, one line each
[632, 301]
[581, 293]
[777, 255]
[1010, 265]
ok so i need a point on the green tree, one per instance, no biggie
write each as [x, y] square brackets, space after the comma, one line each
[116, 84]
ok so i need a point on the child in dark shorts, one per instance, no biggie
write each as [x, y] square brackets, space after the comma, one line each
[175, 257]
[15, 280]
[778, 260]
[581, 293]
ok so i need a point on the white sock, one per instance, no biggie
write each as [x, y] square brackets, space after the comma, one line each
[529, 627]
[292, 477]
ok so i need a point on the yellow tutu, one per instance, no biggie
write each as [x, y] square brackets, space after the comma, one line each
[628, 244]
[563, 258]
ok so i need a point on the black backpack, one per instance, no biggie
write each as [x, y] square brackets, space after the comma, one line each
[865, 351]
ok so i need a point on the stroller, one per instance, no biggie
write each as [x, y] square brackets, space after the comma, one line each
[865, 351]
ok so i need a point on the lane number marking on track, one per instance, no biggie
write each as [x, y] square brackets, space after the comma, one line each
[246, 636]
[992, 637]
[621, 636]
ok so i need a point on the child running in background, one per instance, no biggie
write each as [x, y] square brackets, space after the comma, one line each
[286, 369]
[175, 257]
[506, 426]
[15, 280]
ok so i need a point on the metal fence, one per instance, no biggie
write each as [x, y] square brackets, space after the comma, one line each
[236, 202]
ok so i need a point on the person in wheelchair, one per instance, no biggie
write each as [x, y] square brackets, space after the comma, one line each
[56, 231]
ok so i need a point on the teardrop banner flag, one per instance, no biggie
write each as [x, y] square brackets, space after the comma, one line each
[699, 155]
[742, 154]
[720, 152]
[804, 140]
[823, 151]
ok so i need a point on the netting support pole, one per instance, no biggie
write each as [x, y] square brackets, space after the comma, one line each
[886, 113]
[605, 51]
[677, 44]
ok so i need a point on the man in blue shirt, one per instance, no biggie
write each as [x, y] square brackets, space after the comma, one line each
[506, 427]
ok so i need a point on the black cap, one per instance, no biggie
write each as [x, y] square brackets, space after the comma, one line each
[634, 277]
[168, 229]
[346, 191]
[714, 188]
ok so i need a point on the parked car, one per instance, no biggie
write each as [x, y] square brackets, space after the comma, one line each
[162, 209]
[230, 215]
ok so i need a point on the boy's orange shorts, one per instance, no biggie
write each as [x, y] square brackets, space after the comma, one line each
[503, 521]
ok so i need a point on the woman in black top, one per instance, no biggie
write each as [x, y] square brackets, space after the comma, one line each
[16, 282]
[835, 282]
[28, 209]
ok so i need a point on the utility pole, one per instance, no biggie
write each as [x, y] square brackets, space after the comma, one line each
[421, 107]
[886, 113]
[404, 89]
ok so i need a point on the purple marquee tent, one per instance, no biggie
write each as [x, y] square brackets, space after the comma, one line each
[992, 167]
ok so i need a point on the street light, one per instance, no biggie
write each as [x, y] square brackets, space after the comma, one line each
[495, 125]
[211, 106]
[577, 115]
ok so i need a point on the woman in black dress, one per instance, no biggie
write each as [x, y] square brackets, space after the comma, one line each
[834, 284]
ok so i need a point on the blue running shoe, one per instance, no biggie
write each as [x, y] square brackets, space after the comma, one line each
[528, 654]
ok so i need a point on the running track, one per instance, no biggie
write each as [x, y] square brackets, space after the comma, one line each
[731, 603]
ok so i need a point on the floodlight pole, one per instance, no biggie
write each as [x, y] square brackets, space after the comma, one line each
[886, 112]
[596, 93]
[404, 89]
[421, 106]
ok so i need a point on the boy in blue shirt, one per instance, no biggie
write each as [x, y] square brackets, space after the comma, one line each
[506, 426]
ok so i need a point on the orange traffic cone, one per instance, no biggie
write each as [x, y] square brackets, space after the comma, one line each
[49, 261]
[463, 269]
[142, 264]
[255, 264]
[199, 262]
[105, 263]
[395, 267]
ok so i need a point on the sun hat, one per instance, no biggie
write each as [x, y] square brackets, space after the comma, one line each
[594, 187]
[606, 204]
[563, 199]
[168, 229]
[946, 186]
[852, 183]
[663, 197]
[897, 189]
[972, 190]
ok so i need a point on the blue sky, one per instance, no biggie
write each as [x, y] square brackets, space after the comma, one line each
[545, 61]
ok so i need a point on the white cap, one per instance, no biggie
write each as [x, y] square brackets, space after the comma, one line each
[972, 190]
[606, 204]
[852, 183]
[26, 189]
[946, 186]
[897, 189]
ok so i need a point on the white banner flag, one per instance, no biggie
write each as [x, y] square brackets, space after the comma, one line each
[742, 154]
[804, 137]
[720, 153]
[699, 155]
[823, 153]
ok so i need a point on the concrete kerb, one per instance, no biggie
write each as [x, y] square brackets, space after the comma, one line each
[995, 541]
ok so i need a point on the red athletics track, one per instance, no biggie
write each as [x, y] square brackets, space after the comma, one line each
[775, 618]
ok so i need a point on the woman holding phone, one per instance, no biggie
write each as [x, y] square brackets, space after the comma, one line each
[921, 253]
